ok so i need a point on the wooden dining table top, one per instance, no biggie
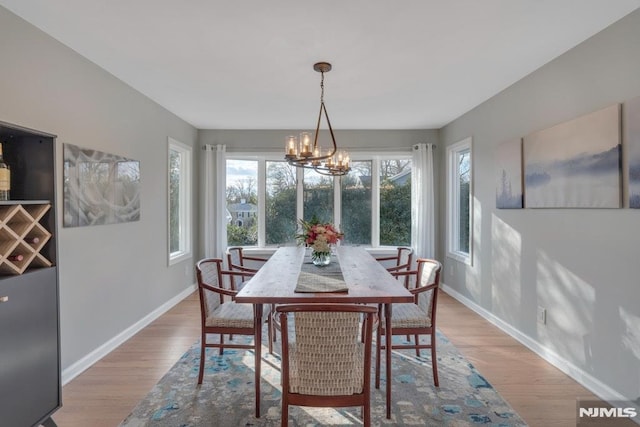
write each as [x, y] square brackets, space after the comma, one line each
[367, 280]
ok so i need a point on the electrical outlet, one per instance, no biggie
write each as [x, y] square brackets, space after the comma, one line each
[542, 315]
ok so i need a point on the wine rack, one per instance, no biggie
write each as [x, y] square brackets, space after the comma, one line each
[22, 237]
[29, 303]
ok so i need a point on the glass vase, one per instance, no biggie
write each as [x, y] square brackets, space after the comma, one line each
[320, 259]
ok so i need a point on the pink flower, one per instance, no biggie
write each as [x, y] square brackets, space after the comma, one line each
[318, 235]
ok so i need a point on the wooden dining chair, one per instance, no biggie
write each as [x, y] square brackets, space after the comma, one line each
[238, 261]
[402, 259]
[324, 363]
[237, 257]
[220, 314]
[417, 318]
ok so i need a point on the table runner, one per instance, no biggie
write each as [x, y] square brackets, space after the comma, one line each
[321, 279]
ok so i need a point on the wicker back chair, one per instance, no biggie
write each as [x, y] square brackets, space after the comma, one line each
[417, 318]
[326, 364]
[219, 313]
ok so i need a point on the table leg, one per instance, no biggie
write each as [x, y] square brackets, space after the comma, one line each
[258, 350]
[388, 336]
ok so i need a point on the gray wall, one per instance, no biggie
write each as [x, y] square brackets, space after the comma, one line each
[581, 264]
[111, 276]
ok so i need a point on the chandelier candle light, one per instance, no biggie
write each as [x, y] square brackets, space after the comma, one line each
[303, 154]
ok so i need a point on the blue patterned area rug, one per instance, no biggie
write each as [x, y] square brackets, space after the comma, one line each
[226, 396]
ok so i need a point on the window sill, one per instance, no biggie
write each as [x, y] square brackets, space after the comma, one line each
[268, 251]
[179, 257]
[460, 256]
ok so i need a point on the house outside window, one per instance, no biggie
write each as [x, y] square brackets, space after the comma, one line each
[459, 202]
[372, 204]
[179, 179]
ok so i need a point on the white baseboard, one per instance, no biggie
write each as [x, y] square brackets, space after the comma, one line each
[81, 365]
[597, 387]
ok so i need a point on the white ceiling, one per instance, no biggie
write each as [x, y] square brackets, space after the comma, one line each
[410, 64]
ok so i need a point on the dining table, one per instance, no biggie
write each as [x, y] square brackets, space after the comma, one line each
[355, 277]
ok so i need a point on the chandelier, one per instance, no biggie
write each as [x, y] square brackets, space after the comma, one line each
[300, 152]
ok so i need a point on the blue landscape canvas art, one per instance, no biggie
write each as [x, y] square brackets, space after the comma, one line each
[632, 140]
[576, 164]
[509, 174]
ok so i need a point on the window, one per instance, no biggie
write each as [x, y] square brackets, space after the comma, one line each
[242, 199]
[318, 195]
[280, 200]
[356, 204]
[371, 205]
[179, 201]
[395, 202]
[459, 205]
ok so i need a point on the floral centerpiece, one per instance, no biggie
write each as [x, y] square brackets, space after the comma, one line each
[319, 237]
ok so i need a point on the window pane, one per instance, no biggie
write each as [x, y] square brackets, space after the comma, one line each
[242, 202]
[179, 206]
[174, 201]
[318, 196]
[464, 179]
[280, 222]
[395, 202]
[356, 204]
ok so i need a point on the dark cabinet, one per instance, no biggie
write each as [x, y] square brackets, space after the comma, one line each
[30, 387]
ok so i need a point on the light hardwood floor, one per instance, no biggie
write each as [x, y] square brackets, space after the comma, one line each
[106, 393]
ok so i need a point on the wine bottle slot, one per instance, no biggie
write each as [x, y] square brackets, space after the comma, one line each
[32, 240]
[17, 257]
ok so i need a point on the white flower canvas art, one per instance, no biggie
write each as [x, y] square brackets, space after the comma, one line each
[99, 188]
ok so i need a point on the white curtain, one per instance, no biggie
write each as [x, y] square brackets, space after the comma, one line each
[423, 209]
[214, 211]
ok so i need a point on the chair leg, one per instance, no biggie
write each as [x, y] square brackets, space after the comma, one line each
[434, 359]
[417, 338]
[285, 414]
[202, 355]
[273, 313]
[366, 409]
[378, 353]
[221, 344]
[270, 333]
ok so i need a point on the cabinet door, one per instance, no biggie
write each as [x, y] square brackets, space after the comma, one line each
[29, 368]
